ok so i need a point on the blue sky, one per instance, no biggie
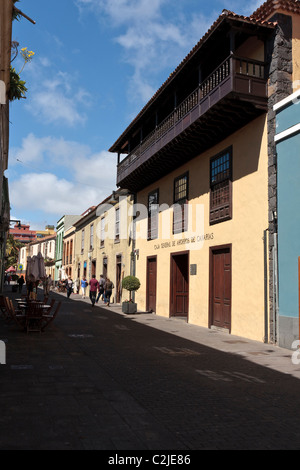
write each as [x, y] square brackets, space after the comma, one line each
[96, 64]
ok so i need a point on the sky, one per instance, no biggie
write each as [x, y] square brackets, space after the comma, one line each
[96, 63]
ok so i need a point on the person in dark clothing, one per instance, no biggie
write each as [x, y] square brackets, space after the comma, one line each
[21, 281]
[94, 285]
[69, 286]
[108, 287]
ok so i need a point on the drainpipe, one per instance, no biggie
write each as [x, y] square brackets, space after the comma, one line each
[266, 285]
[275, 289]
[133, 257]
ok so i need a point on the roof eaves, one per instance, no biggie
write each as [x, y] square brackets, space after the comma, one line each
[271, 6]
[225, 15]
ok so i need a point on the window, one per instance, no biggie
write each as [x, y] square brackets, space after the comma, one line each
[153, 215]
[180, 215]
[64, 253]
[71, 251]
[117, 225]
[221, 187]
[92, 237]
[102, 235]
[82, 241]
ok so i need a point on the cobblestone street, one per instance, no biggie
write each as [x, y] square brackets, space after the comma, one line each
[101, 380]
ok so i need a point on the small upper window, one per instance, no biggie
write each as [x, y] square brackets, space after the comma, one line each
[180, 219]
[221, 187]
[117, 224]
[153, 215]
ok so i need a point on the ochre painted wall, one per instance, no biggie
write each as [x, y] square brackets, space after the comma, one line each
[244, 232]
[296, 52]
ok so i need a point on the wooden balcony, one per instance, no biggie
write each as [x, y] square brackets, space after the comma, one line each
[233, 95]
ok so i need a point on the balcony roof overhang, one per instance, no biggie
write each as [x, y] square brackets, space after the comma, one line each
[211, 128]
[225, 23]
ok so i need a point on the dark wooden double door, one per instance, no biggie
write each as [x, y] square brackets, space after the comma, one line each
[220, 287]
[179, 293]
[179, 289]
[151, 284]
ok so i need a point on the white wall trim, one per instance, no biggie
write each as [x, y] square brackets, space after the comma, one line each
[293, 97]
[287, 133]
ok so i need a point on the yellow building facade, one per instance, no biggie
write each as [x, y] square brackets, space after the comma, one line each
[242, 235]
[200, 161]
[101, 242]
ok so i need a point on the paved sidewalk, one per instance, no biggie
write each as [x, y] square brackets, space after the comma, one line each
[267, 355]
[98, 379]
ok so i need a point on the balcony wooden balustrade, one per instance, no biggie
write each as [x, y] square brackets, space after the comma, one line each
[236, 78]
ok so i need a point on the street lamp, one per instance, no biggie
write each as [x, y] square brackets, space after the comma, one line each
[18, 221]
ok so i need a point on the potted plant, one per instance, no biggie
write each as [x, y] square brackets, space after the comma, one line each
[130, 283]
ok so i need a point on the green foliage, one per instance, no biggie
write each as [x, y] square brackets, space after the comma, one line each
[16, 15]
[12, 251]
[17, 88]
[131, 283]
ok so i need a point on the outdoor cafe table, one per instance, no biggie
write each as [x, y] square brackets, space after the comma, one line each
[34, 319]
[25, 306]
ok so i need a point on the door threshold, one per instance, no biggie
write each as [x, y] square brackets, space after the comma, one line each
[175, 317]
[219, 328]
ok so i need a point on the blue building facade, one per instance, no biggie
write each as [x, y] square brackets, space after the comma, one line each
[287, 140]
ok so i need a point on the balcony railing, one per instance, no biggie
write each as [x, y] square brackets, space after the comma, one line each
[232, 66]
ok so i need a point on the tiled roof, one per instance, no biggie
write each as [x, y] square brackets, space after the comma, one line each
[226, 14]
[271, 6]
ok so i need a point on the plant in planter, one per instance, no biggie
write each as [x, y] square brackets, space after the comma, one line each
[130, 283]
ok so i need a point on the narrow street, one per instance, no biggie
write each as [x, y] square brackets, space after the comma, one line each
[101, 380]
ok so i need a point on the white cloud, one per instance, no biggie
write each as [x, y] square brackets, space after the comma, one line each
[54, 95]
[153, 37]
[124, 11]
[59, 175]
[53, 104]
[53, 150]
[47, 192]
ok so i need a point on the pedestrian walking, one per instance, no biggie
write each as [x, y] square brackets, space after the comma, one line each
[21, 281]
[76, 286]
[108, 287]
[48, 284]
[101, 288]
[84, 285]
[94, 286]
[69, 286]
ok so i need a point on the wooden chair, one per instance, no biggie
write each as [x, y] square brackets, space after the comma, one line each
[34, 316]
[49, 317]
[16, 315]
[4, 309]
[51, 306]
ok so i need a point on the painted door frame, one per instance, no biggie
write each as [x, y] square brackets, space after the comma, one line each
[213, 249]
[147, 281]
[172, 256]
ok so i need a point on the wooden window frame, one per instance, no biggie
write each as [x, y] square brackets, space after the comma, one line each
[91, 236]
[117, 224]
[102, 229]
[180, 222]
[152, 231]
[82, 240]
[220, 206]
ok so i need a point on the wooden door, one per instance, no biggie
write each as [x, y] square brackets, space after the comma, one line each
[118, 278]
[104, 268]
[179, 285]
[220, 287]
[93, 268]
[151, 284]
